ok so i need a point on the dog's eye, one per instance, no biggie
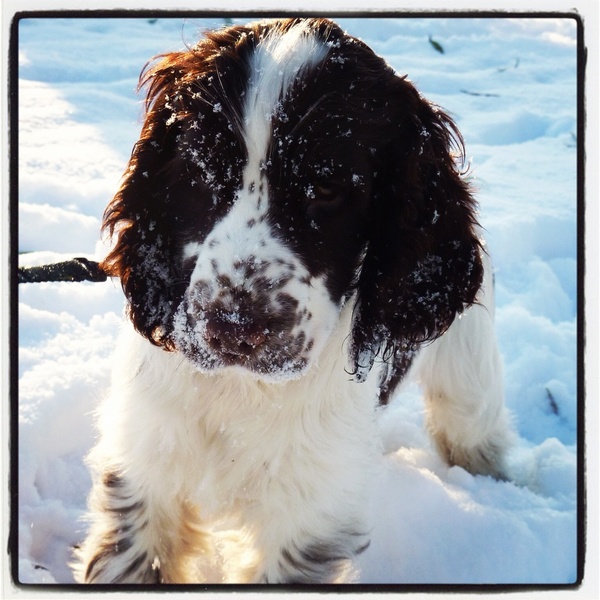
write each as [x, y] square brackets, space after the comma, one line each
[328, 194]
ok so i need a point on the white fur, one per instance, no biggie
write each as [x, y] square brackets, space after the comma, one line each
[286, 463]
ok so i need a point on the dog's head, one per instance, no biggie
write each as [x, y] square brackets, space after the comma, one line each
[284, 169]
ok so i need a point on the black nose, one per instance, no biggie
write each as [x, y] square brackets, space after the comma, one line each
[234, 334]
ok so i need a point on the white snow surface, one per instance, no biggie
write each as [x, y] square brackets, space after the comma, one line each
[78, 119]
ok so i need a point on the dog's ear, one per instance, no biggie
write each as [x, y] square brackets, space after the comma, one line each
[138, 217]
[422, 264]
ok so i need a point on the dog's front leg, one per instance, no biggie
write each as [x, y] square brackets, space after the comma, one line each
[136, 539]
[119, 547]
[311, 558]
[309, 530]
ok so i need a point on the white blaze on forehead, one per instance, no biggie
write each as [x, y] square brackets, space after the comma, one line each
[278, 60]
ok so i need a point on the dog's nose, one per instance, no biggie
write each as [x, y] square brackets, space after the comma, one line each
[234, 334]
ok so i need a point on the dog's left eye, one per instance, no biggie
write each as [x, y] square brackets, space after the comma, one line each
[328, 194]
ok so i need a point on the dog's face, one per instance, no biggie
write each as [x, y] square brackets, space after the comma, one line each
[268, 277]
[284, 169]
[273, 253]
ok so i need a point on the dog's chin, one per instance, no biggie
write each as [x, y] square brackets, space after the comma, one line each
[271, 368]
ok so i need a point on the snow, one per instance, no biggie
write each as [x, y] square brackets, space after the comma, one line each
[511, 86]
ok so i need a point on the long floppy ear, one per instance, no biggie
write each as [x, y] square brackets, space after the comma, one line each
[138, 217]
[422, 265]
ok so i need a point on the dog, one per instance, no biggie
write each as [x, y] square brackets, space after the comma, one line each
[293, 234]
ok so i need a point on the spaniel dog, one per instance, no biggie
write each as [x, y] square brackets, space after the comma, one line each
[292, 234]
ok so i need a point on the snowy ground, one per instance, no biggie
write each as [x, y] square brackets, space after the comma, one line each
[511, 85]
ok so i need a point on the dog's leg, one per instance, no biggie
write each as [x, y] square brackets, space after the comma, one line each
[306, 556]
[115, 550]
[134, 539]
[142, 527]
[313, 521]
[461, 374]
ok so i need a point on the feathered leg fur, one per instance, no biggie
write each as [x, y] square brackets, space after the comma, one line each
[461, 374]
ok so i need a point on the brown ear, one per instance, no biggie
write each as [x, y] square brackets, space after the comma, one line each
[151, 209]
[138, 217]
[422, 264]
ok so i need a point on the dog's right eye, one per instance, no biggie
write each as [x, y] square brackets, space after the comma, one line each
[327, 195]
[326, 191]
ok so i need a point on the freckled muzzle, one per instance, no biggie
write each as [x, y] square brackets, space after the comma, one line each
[256, 329]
